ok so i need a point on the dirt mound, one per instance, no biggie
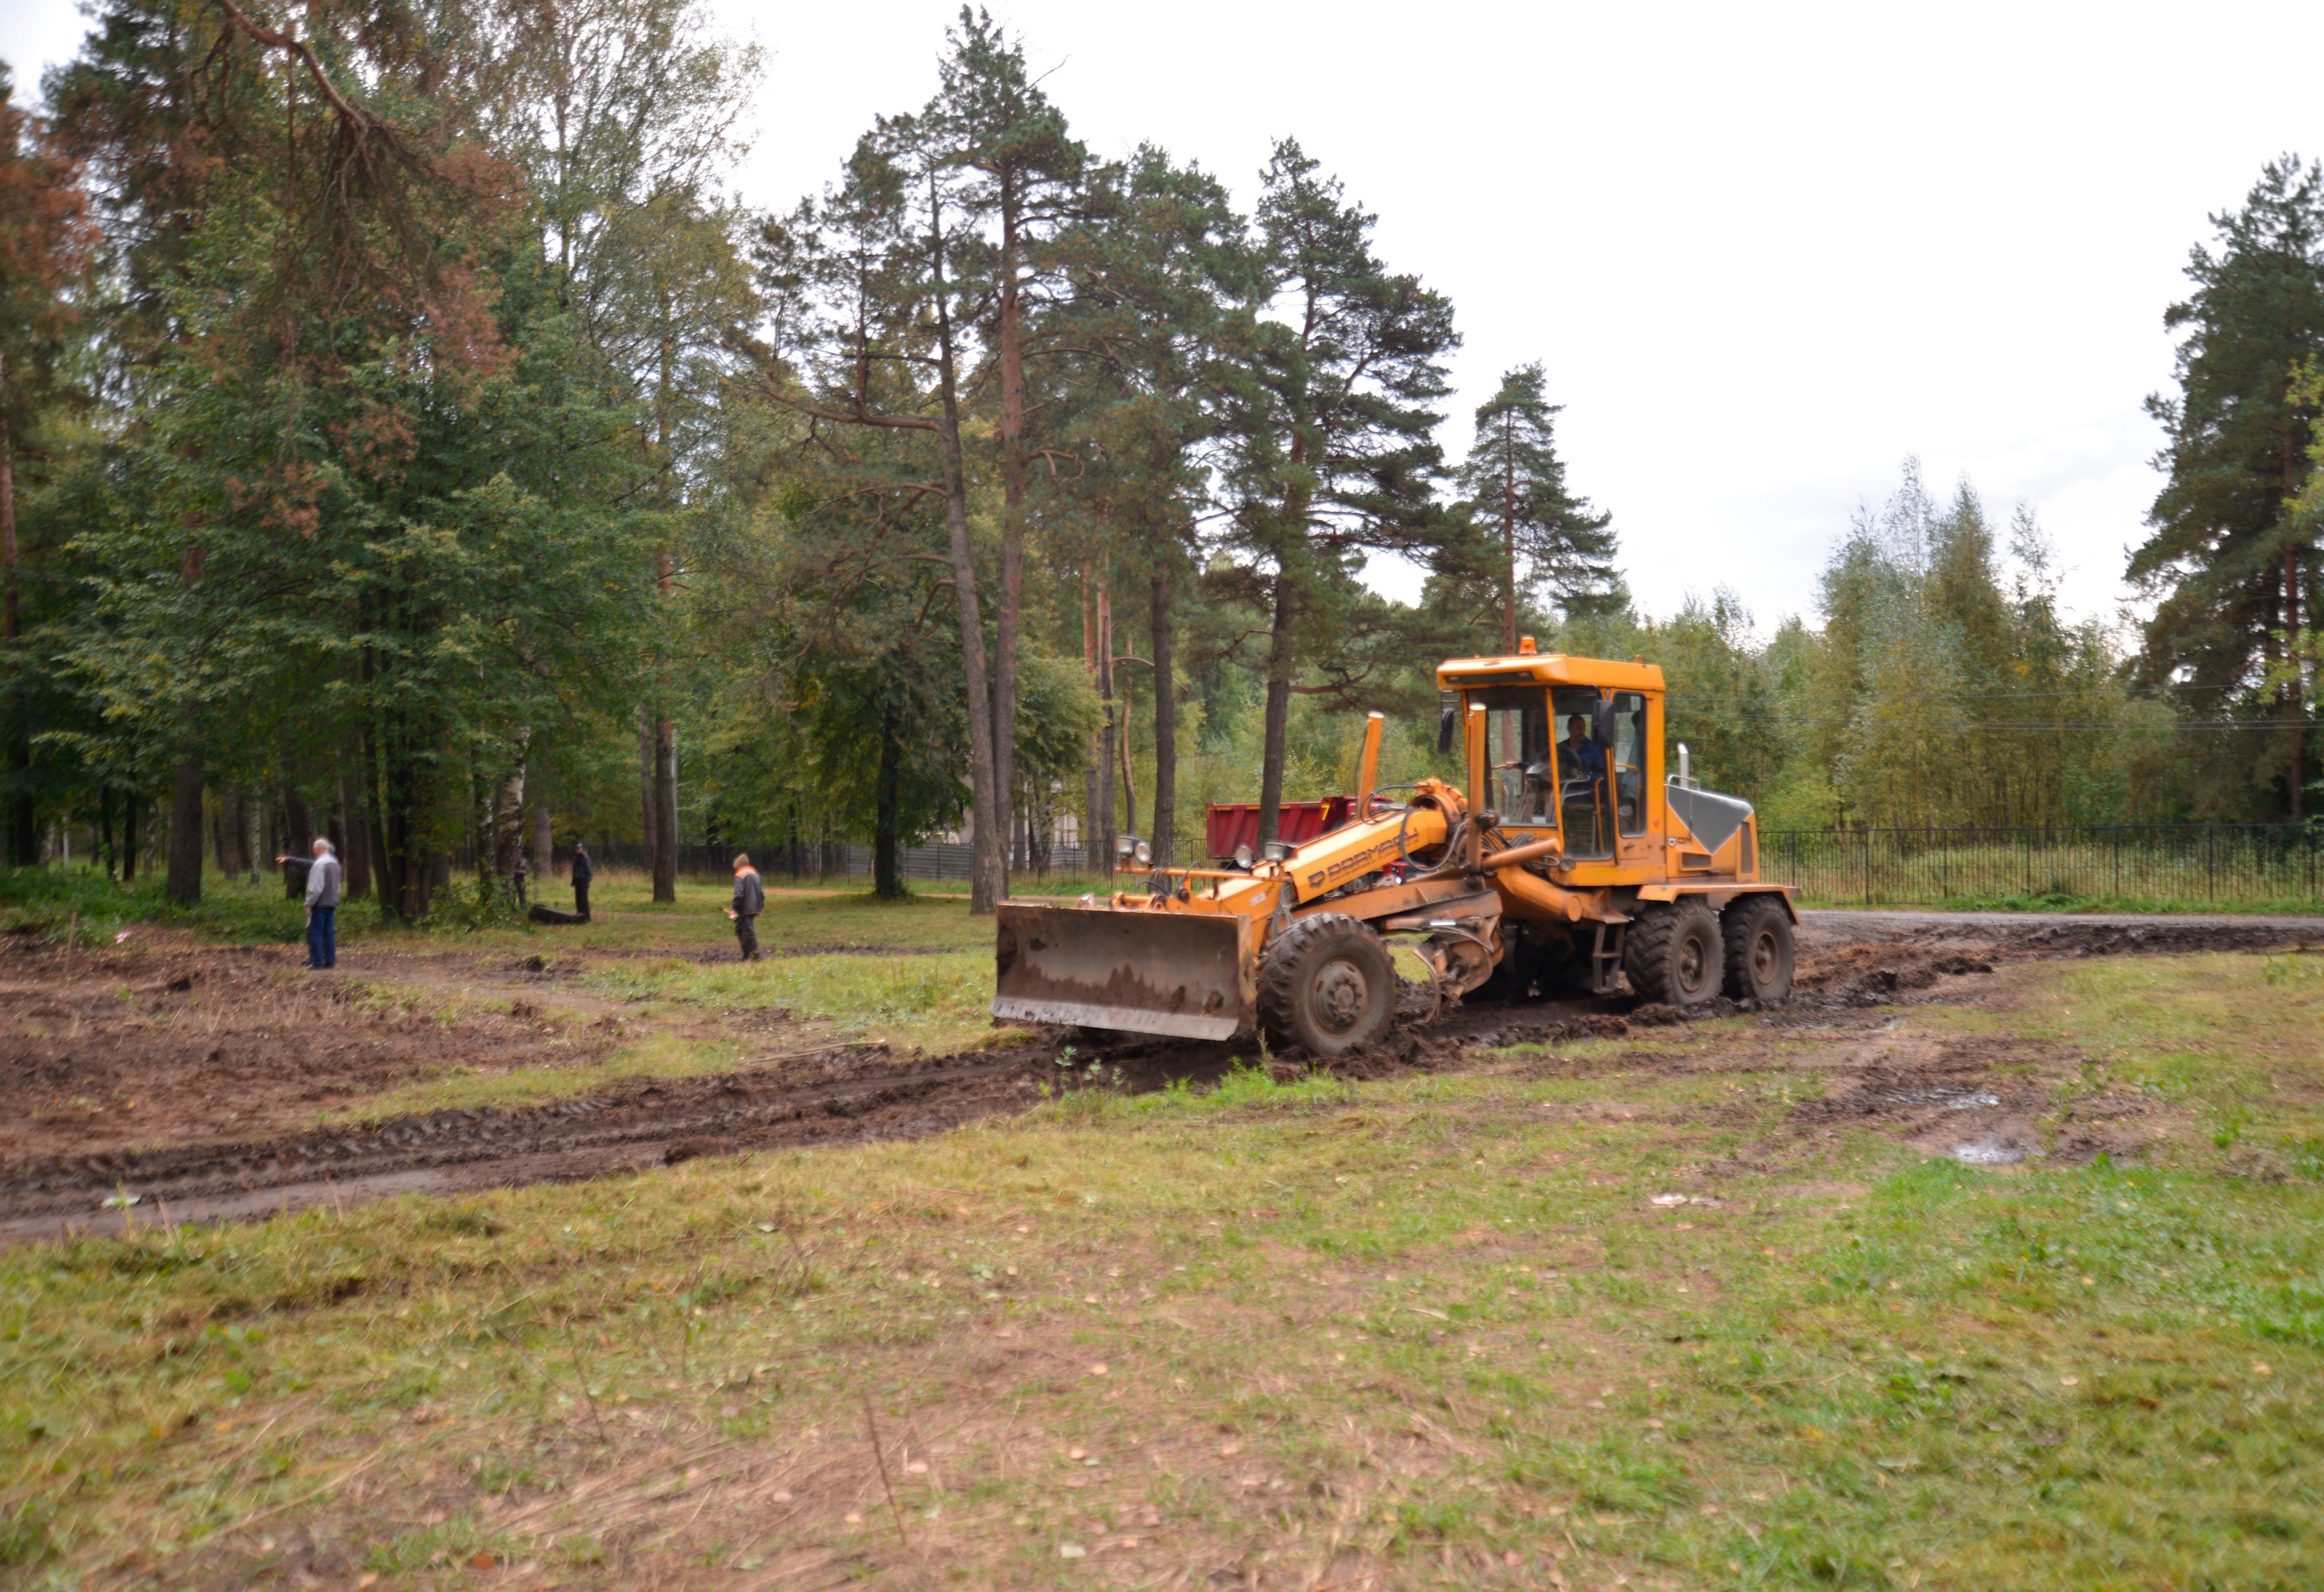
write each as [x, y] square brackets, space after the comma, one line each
[2069, 937]
[1859, 976]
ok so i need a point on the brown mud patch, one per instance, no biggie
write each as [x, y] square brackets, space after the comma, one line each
[101, 1053]
[1858, 975]
[186, 1074]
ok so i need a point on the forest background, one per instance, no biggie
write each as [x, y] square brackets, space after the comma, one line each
[406, 435]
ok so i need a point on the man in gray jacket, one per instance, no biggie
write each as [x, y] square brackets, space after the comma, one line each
[323, 908]
[750, 900]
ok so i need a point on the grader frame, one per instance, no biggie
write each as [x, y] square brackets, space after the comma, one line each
[1557, 868]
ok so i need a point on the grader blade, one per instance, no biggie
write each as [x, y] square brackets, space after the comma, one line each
[1178, 974]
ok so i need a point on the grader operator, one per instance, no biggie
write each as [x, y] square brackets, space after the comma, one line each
[1569, 861]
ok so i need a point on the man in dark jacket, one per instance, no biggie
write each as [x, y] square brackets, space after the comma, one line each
[582, 874]
[750, 900]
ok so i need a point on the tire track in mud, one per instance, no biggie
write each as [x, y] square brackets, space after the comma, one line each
[645, 1122]
[858, 1094]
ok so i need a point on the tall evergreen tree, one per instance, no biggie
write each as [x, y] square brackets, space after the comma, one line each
[1529, 538]
[1160, 309]
[1017, 179]
[871, 325]
[1336, 450]
[2233, 571]
[45, 251]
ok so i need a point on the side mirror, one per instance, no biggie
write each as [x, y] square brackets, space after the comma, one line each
[1448, 717]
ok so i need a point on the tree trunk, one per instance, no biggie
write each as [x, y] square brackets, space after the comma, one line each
[886, 831]
[1166, 725]
[9, 618]
[23, 839]
[1280, 660]
[243, 865]
[1012, 536]
[544, 845]
[1104, 819]
[1121, 751]
[665, 873]
[1508, 534]
[335, 825]
[508, 818]
[298, 843]
[356, 857]
[650, 824]
[129, 837]
[24, 824]
[183, 885]
[2299, 709]
[1094, 861]
[989, 881]
[404, 885]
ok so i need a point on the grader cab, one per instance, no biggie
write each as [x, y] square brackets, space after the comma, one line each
[1569, 860]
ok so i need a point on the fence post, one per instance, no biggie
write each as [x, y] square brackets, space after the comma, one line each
[2210, 862]
[1867, 867]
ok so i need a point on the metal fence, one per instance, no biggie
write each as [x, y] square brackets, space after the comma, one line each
[2196, 865]
[2211, 865]
[826, 860]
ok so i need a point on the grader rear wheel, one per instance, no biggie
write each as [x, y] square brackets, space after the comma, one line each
[1327, 985]
[1758, 950]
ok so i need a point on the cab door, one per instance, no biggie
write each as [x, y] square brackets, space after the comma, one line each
[1637, 759]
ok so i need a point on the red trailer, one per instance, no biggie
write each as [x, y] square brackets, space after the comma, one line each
[1233, 824]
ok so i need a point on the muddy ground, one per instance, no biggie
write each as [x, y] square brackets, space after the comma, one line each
[194, 1077]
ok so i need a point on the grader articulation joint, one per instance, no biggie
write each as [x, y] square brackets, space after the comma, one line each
[1568, 862]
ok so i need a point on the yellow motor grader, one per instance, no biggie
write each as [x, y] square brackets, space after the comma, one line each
[1569, 862]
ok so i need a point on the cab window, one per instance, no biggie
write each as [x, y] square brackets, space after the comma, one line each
[1517, 754]
[1584, 790]
[1630, 761]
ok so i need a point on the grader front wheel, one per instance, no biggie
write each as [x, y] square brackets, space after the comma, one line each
[1327, 985]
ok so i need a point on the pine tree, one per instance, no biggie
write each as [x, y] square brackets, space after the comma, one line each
[45, 250]
[870, 325]
[2232, 571]
[1336, 451]
[1529, 537]
[1016, 179]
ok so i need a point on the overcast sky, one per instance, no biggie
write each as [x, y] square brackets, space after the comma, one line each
[1765, 253]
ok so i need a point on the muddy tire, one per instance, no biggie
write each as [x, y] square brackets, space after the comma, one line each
[1758, 932]
[1674, 955]
[1327, 985]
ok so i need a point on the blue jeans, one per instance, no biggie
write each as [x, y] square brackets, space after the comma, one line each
[323, 937]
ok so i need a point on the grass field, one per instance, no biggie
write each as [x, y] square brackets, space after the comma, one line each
[1635, 1313]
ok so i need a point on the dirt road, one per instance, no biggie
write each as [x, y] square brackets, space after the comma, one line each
[176, 1081]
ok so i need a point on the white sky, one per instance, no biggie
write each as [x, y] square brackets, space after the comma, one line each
[1765, 253]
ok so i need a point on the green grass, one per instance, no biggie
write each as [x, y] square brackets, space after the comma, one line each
[81, 905]
[2287, 906]
[1407, 1329]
